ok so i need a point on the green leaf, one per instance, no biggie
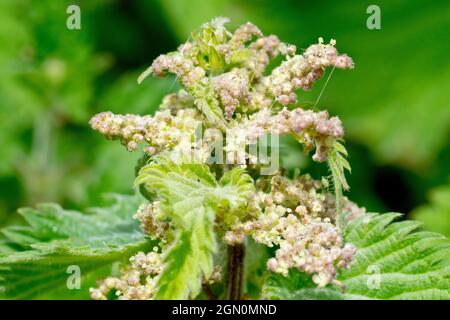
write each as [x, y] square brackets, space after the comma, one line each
[436, 215]
[216, 61]
[394, 260]
[296, 286]
[190, 195]
[235, 187]
[190, 257]
[338, 164]
[413, 264]
[54, 239]
[208, 104]
[124, 95]
[256, 256]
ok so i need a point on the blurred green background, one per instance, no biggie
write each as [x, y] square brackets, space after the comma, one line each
[394, 104]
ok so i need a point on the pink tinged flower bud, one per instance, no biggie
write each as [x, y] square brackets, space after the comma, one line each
[110, 282]
[292, 97]
[138, 138]
[132, 146]
[96, 294]
[133, 280]
[284, 100]
[344, 62]
[297, 83]
[272, 264]
[140, 258]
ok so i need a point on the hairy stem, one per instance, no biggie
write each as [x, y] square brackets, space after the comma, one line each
[235, 273]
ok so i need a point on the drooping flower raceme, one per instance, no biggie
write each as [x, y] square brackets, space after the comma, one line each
[229, 97]
[297, 216]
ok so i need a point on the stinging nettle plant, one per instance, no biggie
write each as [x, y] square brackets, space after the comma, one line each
[212, 225]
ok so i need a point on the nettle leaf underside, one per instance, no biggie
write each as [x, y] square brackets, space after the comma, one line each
[394, 260]
[35, 257]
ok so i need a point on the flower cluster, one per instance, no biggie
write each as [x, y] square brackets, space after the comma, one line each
[296, 216]
[301, 71]
[150, 217]
[315, 248]
[223, 77]
[226, 89]
[165, 131]
[137, 281]
[161, 131]
[184, 68]
[245, 84]
[215, 277]
[313, 129]
[233, 90]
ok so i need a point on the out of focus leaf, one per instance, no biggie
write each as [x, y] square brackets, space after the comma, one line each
[47, 91]
[126, 96]
[436, 214]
